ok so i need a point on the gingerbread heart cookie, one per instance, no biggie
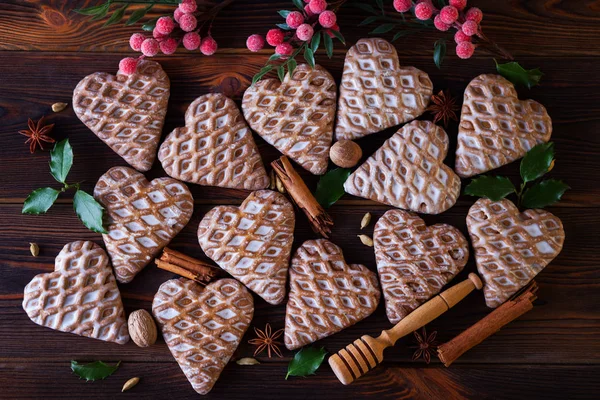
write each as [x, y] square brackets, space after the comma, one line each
[202, 326]
[326, 294]
[296, 116]
[497, 128]
[408, 171]
[511, 248]
[415, 261]
[126, 111]
[215, 148]
[143, 217]
[252, 242]
[80, 296]
[376, 93]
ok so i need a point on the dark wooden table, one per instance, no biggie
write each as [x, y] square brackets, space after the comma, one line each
[551, 352]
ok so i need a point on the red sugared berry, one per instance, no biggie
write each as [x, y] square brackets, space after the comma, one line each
[191, 40]
[208, 46]
[284, 49]
[294, 19]
[459, 4]
[136, 40]
[403, 5]
[275, 37]
[327, 19]
[424, 11]
[158, 35]
[336, 28]
[465, 50]
[177, 14]
[188, 6]
[474, 14]
[305, 32]
[317, 6]
[165, 25]
[439, 24]
[187, 22]
[168, 46]
[150, 47]
[308, 11]
[470, 28]
[255, 42]
[449, 15]
[459, 37]
[128, 65]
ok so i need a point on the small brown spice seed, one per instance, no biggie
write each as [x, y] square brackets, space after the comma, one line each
[247, 361]
[366, 220]
[142, 328]
[34, 249]
[366, 240]
[58, 107]
[345, 153]
[130, 383]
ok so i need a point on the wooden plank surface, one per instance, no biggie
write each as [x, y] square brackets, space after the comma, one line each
[551, 352]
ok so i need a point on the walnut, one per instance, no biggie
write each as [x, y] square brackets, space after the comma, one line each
[142, 328]
[345, 153]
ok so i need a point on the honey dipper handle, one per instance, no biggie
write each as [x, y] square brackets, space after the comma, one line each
[431, 309]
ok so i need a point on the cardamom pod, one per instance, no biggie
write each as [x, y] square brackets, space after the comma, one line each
[247, 361]
[279, 184]
[366, 220]
[58, 107]
[366, 240]
[34, 249]
[272, 184]
[130, 383]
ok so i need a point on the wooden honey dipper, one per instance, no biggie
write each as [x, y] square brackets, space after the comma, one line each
[365, 353]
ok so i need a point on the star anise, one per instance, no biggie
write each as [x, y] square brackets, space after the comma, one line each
[443, 107]
[426, 345]
[37, 133]
[267, 340]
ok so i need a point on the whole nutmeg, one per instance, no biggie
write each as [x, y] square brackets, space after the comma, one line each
[142, 328]
[345, 153]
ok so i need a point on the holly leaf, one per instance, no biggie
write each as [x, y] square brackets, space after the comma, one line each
[94, 370]
[306, 362]
[89, 211]
[298, 4]
[263, 71]
[309, 57]
[331, 186]
[544, 193]
[138, 14]
[439, 52]
[518, 75]
[314, 43]
[328, 45]
[493, 187]
[537, 161]
[61, 160]
[40, 201]
[284, 13]
[383, 28]
[117, 16]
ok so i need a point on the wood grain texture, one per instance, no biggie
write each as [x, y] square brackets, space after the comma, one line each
[552, 352]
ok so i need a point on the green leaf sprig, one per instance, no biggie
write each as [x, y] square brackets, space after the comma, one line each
[518, 75]
[89, 211]
[537, 162]
[116, 14]
[331, 186]
[308, 49]
[306, 362]
[94, 370]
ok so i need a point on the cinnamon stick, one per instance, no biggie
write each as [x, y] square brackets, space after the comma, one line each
[186, 266]
[318, 218]
[490, 324]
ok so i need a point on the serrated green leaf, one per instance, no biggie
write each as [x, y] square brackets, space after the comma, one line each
[383, 28]
[284, 13]
[518, 75]
[306, 362]
[493, 187]
[338, 35]
[117, 16]
[61, 160]
[309, 57]
[331, 186]
[544, 193]
[94, 370]
[281, 72]
[285, 27]
[439, 52]
[40, 200]
[369, 20]
[328, 45]
[89, 211]
[298, 4]
[263, 71]
[95, 10]
[292, 64]
[537, 161]
[314, 43]
[138, 14]
[149, 26]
